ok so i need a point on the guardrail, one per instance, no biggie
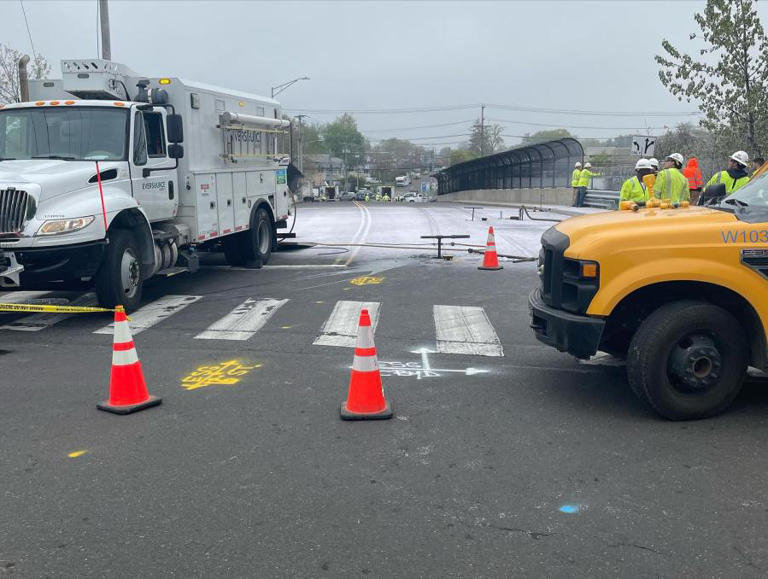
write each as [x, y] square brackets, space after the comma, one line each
[602, 199]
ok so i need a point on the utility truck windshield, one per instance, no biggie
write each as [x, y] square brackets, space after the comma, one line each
[67, 133]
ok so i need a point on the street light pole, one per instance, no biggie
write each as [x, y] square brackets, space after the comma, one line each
[276, 90]
[482, 130]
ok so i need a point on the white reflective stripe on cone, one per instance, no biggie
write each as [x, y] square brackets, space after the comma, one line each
[124, 357]
[365, 337]
[365, 364]
[122, 333]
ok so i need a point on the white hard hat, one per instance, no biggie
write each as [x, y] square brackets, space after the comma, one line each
[578, 164]
[587, 165]
[654, 162]
[642, 164]
[677, 157]
[741, 158]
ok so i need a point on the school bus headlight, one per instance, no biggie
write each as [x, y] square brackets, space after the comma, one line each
[56, 226]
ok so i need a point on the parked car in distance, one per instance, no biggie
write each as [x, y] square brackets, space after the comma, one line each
[348, 196]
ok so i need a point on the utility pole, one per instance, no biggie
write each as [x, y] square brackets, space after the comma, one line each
[482, 130]
[106, 47]
[300, 157]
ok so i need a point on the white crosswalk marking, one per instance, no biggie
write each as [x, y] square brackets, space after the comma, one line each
[465, 330]
[20, 297]
[37, 322]
[340, 329]
[153, 313]
[244, 321]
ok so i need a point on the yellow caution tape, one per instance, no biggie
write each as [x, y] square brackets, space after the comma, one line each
[40, 308]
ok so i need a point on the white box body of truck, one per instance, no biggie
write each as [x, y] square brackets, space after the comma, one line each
[182, 166]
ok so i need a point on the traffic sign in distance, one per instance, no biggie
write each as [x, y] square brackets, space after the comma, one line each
[644, 146]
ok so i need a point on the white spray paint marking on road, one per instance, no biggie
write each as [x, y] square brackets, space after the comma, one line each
[37, 322]
[340, 329]
[153, 313]
[425, 370]
[465, 330]
[244, 321]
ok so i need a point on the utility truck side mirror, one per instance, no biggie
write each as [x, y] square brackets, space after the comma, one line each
[175, 151]
[712, 194]
[175, 129]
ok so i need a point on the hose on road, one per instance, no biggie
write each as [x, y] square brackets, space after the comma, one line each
[421, 246]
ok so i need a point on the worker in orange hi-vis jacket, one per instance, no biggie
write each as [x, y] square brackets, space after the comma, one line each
[695, 180]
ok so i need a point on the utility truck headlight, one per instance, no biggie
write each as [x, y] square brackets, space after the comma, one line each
[55, 226]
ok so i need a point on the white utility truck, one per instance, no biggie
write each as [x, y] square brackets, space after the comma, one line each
[226, 188]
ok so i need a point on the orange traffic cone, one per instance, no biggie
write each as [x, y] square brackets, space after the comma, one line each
[127, 389]
[365, 400]
[490, 258]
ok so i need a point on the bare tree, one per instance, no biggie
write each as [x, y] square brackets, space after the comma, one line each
[10, 91]
[486, 138]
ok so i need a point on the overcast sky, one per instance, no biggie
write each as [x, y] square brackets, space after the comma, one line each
[568, 55]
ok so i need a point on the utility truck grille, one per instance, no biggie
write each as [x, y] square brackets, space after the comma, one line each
[14, 206]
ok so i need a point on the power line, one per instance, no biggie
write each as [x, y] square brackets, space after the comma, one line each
[439, 137]
[558, 126]
[518, 108]
[417, 127]
[386, 111]
[583, 138]
[525, 109]
[21, 3]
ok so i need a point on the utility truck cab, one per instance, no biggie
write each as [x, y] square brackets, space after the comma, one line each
[121, 177]
[681, 293]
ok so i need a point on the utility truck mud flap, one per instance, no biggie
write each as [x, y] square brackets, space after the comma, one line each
[10, 269]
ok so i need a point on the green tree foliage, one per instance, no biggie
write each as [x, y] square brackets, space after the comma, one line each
[600, 160]
[461, 155]
[548, 135]
[312, 139]
[400, 155]
[10, 90]
[486, 139]
[343, 140]
[728, 76]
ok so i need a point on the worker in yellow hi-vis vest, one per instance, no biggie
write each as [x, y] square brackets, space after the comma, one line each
[670, 182]
[634, 188]
[735, 176]
[584, 178]
[575, 182]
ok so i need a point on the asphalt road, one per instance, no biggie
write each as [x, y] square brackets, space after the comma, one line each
[528, 464]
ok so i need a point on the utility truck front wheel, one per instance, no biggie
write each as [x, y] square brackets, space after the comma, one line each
[119, 279]
[688, 360]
